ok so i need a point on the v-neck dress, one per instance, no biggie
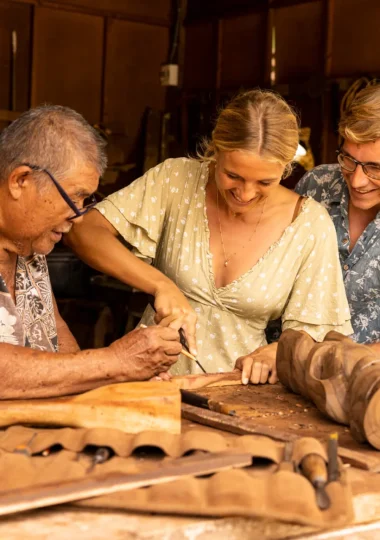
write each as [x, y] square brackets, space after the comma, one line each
[162, 215]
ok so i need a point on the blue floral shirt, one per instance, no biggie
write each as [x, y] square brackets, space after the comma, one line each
[361, 266]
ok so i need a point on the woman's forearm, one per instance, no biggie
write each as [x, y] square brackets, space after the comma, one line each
[95, 242]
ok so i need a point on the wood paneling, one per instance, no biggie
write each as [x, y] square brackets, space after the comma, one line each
[299, 41]
[67, 60]
[198, 10]
[355, 47]
[158, 10]
[200, 60]
[243, 50]
[134, 54]
[14, 16]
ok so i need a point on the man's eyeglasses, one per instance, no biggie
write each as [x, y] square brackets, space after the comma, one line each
[349, 164]
[89, 203]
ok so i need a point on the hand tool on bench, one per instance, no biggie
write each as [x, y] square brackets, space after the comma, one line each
[314, 468]
[191, 398]
[287, 464]
[101, 455]
[24, 499]
[130, 407]
[232, 424]
[25, 448]
[332, 452]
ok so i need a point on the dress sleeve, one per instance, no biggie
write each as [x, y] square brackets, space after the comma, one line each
[138, 211]
[318, 303]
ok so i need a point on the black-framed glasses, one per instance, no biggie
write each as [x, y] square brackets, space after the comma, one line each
[349, 164]
[89, 203]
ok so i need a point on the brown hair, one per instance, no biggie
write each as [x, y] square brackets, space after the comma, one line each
[360, 122]
[257, 121]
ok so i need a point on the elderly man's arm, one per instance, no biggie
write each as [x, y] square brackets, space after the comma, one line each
[140, 355]
[66, 341]
[95, 241]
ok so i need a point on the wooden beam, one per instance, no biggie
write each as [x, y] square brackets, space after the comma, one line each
[8, 116]
[109, 12]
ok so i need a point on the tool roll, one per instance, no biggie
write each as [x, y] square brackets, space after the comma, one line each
[282, 482]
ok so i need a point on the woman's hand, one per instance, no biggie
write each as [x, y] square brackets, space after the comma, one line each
[173, 309]
[259, 366]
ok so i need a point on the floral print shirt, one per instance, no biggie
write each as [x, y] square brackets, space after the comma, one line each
[31, 321]
[361, 266]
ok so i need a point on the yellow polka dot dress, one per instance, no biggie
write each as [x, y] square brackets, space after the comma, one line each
[162, 215]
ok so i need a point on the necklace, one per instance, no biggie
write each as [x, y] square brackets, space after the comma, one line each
[227, 259]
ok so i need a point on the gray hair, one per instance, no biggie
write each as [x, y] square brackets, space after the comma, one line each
[51, 137]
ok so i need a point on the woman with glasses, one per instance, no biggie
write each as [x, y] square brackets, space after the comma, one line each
[350, 190]
[242, 248]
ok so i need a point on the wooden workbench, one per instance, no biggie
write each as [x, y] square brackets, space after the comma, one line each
[271, 406]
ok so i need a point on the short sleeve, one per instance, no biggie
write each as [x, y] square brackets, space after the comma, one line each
[318, 303]
[138, 211]
[305, 184]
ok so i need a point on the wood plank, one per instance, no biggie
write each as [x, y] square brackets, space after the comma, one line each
[200, 58]
[22, 500]
[130, 407]
[15, 17]
[359, 56]
[299, 41]
[275, 408]
[8, 116]
[134, 56]
[232, 424]
[155, 11]
[67, 61]
[249, 49]
[194, 382]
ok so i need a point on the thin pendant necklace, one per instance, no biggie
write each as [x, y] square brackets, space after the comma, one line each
[227, 259]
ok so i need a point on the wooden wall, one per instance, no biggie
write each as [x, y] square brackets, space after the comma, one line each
[100, 57]
[322, 46]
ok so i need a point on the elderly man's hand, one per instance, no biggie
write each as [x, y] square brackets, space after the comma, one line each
[259, 366]
[173, 309]
[146, 352]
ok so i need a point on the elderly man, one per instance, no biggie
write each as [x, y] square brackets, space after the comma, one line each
[50, 163]
[350, 190]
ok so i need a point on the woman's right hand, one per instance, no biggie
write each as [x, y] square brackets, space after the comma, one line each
[173, 310]
[259, 367]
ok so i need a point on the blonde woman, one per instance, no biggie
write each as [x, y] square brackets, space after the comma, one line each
[242, 249]
[350, 191]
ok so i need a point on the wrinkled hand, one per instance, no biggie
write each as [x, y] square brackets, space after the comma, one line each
[146, 352]
[173, 310]
[259, 367]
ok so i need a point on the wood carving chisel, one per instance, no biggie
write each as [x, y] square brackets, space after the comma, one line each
[191, 398]
[332, 452]
[313, 467]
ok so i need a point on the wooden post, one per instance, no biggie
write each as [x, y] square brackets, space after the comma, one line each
[329, 9]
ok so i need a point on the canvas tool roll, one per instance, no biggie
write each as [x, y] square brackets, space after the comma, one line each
[269, 488]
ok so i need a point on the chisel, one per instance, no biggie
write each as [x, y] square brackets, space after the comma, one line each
[205, 403]
[314, 468]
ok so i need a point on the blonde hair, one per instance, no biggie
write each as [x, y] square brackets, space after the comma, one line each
[360, 121]
[257, 121]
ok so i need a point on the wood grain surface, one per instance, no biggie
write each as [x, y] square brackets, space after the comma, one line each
[130, 407]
